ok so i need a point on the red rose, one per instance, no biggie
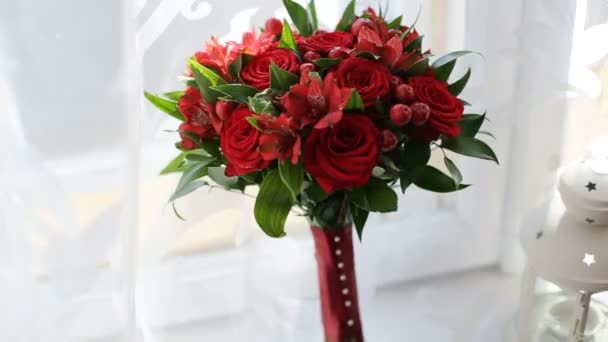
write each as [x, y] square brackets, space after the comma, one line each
[239, 142]
[257, 72]
[324, 42]
[446, 109]
[343, 156]
[371, 79]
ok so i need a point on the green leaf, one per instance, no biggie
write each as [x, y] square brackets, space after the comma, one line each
[414, 158]
[292, 176]
[192, 173]
[174, 95]
[299, 16]
[287, 40]
[262, 104]
[186, 189]
[411, 28]
[213, 148]
[204, 86]
[375, 196]
[453, 169]
[167, 106]
[359, 218]
[443, 72]
[470, 124]
[415, 44]
[395, 23]
[218, 175]
[253, 122]
[315, 193]
[272, 205]
[487, 133]
[237, 92]
[312, 10]
[235, 67]
[434, 180]
[368, 55]
[355, 102]
[469, 147]
[457, 87]
[444, 65]
[281, 79]
[209, 74]
[326, 63]
[175, 165]
[418, 68]
[347, 17]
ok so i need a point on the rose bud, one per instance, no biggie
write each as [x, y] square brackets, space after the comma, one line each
[223, 109]
[394, 32]
[420, 113]
[339, 52]
[358, 24]
[388, 140]
[311, 56]
[404, 93]
[307, 67]
[400, 114]
[395, 81]
[273, 26]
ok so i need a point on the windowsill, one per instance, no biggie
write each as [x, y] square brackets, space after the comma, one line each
[473, 306]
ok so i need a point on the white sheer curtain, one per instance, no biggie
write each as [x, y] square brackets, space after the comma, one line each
[68, 170]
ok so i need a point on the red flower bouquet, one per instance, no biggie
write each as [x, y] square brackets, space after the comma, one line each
[330, 122]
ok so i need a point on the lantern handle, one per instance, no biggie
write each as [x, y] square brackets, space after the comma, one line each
[582, 315]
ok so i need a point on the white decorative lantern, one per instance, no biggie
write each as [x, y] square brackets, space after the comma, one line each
[565, 292]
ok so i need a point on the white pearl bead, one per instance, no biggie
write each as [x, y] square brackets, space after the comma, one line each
[345, 291]
[338, 252]
[337, 239]
[347, 303]
[340, 264]
[343, 277]
[350, 322]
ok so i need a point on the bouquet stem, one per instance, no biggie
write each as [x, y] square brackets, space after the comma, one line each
[337, 284]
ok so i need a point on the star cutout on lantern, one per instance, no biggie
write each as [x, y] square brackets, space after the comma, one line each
[590, 220]
[539, 235]
[589, 259]
[591, 186]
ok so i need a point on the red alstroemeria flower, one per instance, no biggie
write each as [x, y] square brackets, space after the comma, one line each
[316, 103]
[279, 139]
[216, 55]
[390, 51]
[252, 44]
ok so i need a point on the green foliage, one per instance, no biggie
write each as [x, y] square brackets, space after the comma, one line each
[174, 95]
[261, 103]
[414, 158]
[167, 106]
[470, 124]
[347, 17]
[375, 196]
[175, 165]
[272, 205]
[239, 93]
[453, 169]
[457, 87]
[469, 147]
[444, 65]
[206, 79]
[312, 11]
[218, 175]
[419, 68]
[235, 67]
[359, 219]
[415, 44]
[292, 176]
[287, 40]
[191, 174]
[299, 16]
[355, 102]
[281, 79]
[326, 63]
[434, 180]
[395, 23]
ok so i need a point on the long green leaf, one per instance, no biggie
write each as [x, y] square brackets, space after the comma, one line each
[292, 176]
[453, 169]
[359, 219]
[444, 71]
[395, 23]
[434, 180]
[287, 40]
[355, 102]
[237, 92]
[375, 196]
[272, 205]
[469, 147]
[312, 10]
[347, 17]
[299, 16]
[218, 175]
[174, 95]
[414, 157]
[175, 165]
[444, 65]
[470, 124]
[209, 74]
[457, 87]
[281, 79]
[167, 106]
[194, 172]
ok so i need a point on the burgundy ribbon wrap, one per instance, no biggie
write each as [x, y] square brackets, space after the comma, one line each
[337, 284]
